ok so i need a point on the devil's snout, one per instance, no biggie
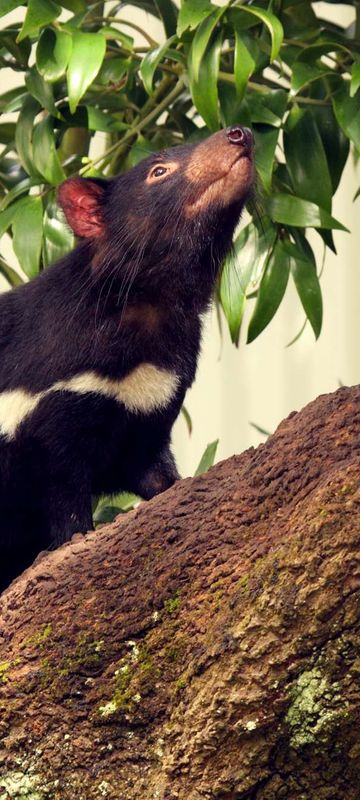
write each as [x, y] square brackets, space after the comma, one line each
[241, 136]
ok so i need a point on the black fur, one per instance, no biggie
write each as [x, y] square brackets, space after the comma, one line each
[133, 291]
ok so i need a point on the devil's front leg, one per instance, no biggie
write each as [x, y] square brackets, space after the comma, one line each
[155, 477]
[68, 508]
[61, 428]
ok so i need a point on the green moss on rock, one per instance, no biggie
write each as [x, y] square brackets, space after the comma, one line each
[39, 638]
[173, 603]
[135, 678]
[4, 669]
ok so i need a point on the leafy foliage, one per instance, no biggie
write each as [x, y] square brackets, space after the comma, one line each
[207, 458]
[276, 66]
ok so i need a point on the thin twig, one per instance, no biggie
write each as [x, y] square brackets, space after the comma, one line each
[139, 124]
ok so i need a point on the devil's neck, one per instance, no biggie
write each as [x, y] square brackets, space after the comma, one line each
[186, 285]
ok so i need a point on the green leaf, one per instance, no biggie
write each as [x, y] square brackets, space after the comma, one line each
[105, 514]
[20, 51]
[244, 60]
[113, 70]
[7, 217]
[150, 62]
[53, 54]
[12, 100]
[85, 61]
[7, 132]
[207, 459]
[12, 277]
[271, 290]
[244, 64]
[191, 13]
[204, 91]
[168, 13]
[260, 429]
[38, 14]
[27, 234]
[19, 188]
[272, 23]
[58, 238]
[109, 507]
[41, 90]
[299, 20]
[46, 159]
[241, 268]
[187, 419]
[303, 245]
[76, 6]
[306, 159]
[9, 5]
[307, 285]
[232, 106]
[23, 135]
[305, 74]
[201, 41]
[276, 101]
[347, 112]
[233, 285]
[140, 150]
[98, 120]
[355, 78]
[324, 45]
[110, 32]
[328, 239]
[291, 210]
[266, 138]
[335, 142]
[268, 109]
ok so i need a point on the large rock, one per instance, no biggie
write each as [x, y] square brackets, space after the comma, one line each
[206, 645]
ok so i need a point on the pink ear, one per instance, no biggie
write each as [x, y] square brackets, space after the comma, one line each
[79, 198]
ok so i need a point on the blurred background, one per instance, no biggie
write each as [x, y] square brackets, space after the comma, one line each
[257, 385]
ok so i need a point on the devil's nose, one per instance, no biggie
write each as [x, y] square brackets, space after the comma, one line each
[240, 135]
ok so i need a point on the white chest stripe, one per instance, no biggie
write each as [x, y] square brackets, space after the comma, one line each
[147, 388]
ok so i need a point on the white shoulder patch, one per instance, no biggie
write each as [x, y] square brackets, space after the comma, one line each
[15, 405]
[146, 389]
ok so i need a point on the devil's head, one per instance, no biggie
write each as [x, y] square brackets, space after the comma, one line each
[177, 209]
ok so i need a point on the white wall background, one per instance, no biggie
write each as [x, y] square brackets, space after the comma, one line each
[264, 381]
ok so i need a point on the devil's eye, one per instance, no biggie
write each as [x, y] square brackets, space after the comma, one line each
[157, 172]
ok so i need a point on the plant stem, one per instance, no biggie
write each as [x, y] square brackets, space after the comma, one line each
[357, 21]
[262, 88]
[137, 28]
[150, 111]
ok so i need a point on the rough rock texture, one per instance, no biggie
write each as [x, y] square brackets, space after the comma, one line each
[206, 645]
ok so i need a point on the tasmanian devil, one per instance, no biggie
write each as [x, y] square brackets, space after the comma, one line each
[97, 352]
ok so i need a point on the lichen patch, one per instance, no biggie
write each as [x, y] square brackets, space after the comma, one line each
[315, 708]
[22, 787]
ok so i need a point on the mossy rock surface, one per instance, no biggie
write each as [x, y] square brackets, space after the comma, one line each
[206, 645]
